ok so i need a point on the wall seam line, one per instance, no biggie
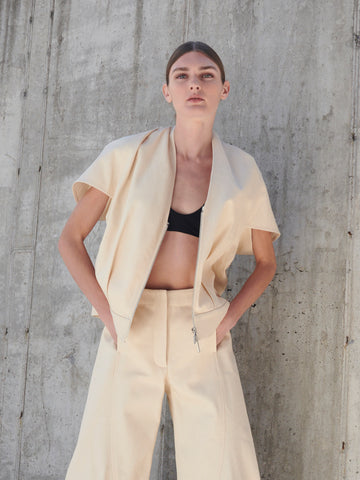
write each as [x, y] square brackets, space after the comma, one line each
[36, 227]
[9, 269]
[348, 295]
[11, 259]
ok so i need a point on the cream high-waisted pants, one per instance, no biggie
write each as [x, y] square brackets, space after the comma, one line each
[212, 435]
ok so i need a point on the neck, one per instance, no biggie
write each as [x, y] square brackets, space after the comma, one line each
[193, 140]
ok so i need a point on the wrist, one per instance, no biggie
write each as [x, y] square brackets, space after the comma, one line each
[103, 311]
[231, 317]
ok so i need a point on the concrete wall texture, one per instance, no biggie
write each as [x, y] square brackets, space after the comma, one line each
[78, 74]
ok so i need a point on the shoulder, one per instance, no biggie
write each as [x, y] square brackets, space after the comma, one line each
[242, 164]
[129, 143]
[237, 156]
[244, 169]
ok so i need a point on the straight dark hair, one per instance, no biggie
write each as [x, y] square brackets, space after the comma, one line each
[195, 46]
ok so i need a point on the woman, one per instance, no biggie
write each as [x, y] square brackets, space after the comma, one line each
[179, 204]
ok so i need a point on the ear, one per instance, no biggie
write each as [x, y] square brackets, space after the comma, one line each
[166, 93]
[225, 90]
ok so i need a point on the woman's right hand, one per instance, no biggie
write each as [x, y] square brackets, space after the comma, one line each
[109, 324]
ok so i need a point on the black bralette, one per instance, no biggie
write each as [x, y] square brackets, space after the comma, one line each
[185, 222]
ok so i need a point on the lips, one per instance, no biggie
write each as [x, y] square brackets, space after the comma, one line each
[195, 99]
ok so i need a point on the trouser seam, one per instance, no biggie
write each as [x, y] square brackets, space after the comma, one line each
[223, 420]
[112, 422]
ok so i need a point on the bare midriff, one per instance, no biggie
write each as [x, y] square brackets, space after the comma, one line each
[174, 266]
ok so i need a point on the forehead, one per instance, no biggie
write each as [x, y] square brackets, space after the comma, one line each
[193, 59]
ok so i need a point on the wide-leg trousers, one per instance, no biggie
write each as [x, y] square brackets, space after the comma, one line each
[212, 435]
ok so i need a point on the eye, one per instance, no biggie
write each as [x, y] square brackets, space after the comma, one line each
[208, 75]
[181, 75]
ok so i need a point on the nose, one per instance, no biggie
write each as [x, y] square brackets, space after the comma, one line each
[194, 84]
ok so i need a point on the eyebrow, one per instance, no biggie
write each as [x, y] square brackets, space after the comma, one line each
[201, 68]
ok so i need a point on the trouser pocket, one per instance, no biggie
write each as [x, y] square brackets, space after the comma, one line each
[208, 343]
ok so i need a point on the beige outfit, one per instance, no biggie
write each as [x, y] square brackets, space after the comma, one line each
[138, 174]
[167, 339]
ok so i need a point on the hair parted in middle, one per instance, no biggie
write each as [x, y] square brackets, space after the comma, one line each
[195, 46]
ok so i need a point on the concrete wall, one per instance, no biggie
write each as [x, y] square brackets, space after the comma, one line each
[76, 75]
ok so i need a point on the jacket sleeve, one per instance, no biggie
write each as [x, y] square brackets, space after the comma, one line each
[111, 168]
[101, 174]
[259, 214]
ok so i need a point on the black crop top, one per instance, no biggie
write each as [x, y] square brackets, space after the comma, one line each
[185, 222]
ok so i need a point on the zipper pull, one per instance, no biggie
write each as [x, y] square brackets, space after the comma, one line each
[196, 338]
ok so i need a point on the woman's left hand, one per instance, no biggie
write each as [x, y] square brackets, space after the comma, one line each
[254, 286]
[219, 337]
[223, 328]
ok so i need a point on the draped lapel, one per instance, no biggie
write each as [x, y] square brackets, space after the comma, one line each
[221, 189]
[159, 160]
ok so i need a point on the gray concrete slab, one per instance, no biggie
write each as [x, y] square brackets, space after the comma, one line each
[76, 75]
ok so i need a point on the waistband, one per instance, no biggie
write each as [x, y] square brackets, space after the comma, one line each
[179, 296]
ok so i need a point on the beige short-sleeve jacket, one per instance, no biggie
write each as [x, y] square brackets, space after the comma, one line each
[138, 173]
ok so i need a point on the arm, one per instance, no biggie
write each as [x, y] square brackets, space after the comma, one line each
[72, 249]
[256, 283]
